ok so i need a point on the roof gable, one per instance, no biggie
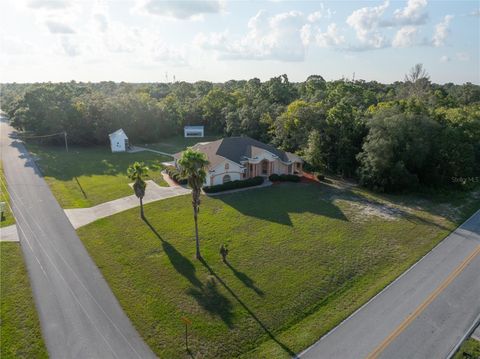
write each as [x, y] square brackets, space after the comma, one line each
[118, 132]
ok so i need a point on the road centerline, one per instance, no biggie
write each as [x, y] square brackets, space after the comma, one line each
[412, 316]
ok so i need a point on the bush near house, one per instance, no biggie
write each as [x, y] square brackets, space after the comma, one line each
[255, 181]
[176, 175]
[284, 178]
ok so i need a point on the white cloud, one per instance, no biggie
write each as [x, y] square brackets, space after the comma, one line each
[445, 59]
[69, 46]
[442, 30]
[412, 14]
[48, 4]
[56, 27]
[183, 10]
[323, 13]
[329, 38]
[405, 37]
[365, 22]
[282, 37]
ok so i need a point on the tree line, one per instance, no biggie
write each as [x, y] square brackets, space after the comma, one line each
[390, 137]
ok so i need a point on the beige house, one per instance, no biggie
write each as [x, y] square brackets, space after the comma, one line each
[237, 158]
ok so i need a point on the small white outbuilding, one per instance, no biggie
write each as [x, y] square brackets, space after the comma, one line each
[193, 131]
[118, 141]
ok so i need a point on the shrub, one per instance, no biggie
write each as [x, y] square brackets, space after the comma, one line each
[175, 175]
[255, 181]
[284, 178]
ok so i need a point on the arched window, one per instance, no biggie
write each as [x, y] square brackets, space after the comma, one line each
[226, 178]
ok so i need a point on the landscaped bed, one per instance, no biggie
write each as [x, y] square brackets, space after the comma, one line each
[85, 177]
[303, 256]
[20, 335]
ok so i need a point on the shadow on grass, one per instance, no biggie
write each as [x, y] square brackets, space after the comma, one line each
[89, 161]
[252, 314]
[181, 263]
[246, 280]
[275, 203]
[207, 296]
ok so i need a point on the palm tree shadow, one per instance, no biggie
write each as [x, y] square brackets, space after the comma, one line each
[210, 299]
[181, 263]
[207, 296]
[246, 280]
[252, 314]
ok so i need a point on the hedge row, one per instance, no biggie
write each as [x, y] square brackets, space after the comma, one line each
[284, 178]
[175, 175]
[255, 181]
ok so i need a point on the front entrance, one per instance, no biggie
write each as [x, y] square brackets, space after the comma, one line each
[265, 168]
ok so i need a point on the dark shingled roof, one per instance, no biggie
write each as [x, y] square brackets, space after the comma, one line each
[236, 149]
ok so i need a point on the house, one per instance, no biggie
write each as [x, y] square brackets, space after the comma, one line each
[118, 141]
[193, 131]
[238, 158]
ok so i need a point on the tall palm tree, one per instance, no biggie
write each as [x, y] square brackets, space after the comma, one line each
[137, 172]
[194, 167]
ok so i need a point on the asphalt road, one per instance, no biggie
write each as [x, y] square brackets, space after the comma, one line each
[423, 314]
[79, 315]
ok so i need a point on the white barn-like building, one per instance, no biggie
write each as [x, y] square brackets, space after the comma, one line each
[193, 131]
[118, 141]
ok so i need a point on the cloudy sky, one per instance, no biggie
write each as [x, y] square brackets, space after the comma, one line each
[159, 40]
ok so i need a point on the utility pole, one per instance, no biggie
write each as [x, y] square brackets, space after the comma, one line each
[66, 143]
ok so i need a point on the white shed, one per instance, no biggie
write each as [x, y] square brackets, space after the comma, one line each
[193, 131]
[118, 141]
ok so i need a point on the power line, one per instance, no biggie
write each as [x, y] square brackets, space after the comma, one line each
[42, 136]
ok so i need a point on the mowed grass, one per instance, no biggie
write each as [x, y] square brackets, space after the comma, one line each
[302, 258]
[85, 177]
[469, 347]
[20, 335]
[178, 143]
[8, 218]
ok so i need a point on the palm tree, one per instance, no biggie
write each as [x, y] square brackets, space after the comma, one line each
[194, 167]
[136, 172]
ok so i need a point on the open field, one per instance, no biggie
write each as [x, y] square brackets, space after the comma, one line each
[178, 143]
[85, 177]
[20, 335]
[302, 258]
[4, 197]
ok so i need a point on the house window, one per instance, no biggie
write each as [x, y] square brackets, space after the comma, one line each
[227, 166]
[226, 178]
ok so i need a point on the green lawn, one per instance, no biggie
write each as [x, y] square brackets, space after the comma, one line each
[8, 218]
[302, 258]
[470, 347]
[85, 177]
[20, 335]
[178, 143]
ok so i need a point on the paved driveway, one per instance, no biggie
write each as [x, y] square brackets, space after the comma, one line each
[79, 315]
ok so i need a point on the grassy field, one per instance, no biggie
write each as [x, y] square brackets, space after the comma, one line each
[302, 258]
[8, 218]
[85, 177]
[20, 335]
[471, 347]
[178, 143]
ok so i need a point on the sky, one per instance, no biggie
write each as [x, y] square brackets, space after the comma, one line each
[220, 40]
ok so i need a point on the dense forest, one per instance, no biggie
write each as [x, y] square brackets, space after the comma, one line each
[390, 137]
